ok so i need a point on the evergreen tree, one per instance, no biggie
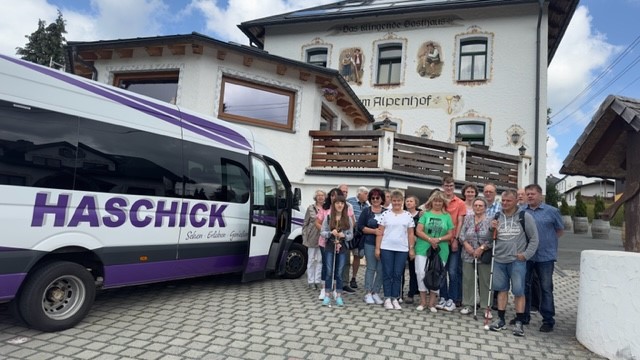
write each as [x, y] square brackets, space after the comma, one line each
[598, 207]
[552, 197]
[46, 44]
[581, 207]
[564, 207]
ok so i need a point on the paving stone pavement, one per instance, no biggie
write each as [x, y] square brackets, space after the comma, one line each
[221, 318]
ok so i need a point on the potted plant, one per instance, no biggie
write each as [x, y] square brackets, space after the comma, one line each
[580, 221]
[329, 93]
[600, 227]
[565, 211]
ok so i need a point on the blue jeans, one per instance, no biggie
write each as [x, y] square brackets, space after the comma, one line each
[373, 275]
[454, 269]
[547, 309]
[392, 271]
[336, 275]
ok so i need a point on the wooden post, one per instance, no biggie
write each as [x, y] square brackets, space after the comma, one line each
[632, 206]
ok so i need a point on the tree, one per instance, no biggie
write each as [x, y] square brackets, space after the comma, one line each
[581, 207]
[598, 207]
[46, 44]
[552, 197]
[564, 207]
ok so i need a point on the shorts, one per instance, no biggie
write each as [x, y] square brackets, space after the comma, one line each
[514, 272]
[358, 252]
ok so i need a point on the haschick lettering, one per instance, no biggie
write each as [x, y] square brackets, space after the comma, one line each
[118, 212]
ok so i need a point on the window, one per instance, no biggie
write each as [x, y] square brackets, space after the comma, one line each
[158, 85]
[471, 132]
[389, 64]
[32, 140]
[256, 104]
[473, 59]
[317, 56]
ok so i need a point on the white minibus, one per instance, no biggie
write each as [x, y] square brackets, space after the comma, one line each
[102, 188]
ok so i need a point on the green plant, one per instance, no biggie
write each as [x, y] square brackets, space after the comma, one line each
[598, 207]
[564, 208]
[618, 218]
[552, 197]
[581, 207]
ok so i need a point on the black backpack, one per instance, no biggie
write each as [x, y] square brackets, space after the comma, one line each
[434, 270]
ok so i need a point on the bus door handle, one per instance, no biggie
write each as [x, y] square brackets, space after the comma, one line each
[253, 231]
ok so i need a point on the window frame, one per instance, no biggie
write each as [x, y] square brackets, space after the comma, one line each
[317, 51]
[147, 75]
[389, 61]
[291, 94]
[474, 55]
[472, 138]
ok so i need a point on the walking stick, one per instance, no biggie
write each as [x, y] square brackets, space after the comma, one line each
[475, 289]
[487, 312]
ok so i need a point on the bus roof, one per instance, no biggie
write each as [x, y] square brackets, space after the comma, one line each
[59, 91]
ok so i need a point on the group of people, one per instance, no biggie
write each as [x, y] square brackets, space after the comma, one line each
[392, 232]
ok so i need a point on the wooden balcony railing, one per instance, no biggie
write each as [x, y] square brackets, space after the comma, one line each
[411, 155]
[348, 149]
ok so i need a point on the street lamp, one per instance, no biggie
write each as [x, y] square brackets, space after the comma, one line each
[522, 150]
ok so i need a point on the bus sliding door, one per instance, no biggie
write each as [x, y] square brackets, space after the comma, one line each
[269, 220]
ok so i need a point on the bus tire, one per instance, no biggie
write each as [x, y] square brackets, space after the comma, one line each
[57, 296]
[296, 261]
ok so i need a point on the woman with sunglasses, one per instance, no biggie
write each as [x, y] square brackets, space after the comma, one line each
[368, 225]
[475, 238]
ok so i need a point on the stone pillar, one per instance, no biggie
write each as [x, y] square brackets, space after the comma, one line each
[460, 162]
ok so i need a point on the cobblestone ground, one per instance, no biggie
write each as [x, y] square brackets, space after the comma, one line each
[221, 318]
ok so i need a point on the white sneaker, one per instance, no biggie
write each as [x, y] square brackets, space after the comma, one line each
[433, 310]
[369, 299]
[396, 304]
[377, 299]
[321, 296]
[387, 304]
[440, 305]
[465, 310]
[420, 308]
[449, 305]
[399, 300]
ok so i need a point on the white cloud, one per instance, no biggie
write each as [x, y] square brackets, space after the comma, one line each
[554, 163]
[223, 21]
[20, 19]
[581, 56]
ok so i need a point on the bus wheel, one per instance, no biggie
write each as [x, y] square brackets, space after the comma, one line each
[57, 296]
[296, 261]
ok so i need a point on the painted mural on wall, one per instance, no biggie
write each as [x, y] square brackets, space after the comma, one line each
[430, 60]
[351, 61]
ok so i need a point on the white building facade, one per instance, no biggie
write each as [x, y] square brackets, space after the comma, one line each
[435, 68]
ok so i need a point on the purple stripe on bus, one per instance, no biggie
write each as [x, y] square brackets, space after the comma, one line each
[197, 121]
[9, 284]
[2, 248]
[120, 98]
[257, 263]
[142, 273]
[297, 221]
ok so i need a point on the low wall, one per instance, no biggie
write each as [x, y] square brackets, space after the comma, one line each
[608, 321]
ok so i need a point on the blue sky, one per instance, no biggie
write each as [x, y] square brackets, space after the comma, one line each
[599, 54]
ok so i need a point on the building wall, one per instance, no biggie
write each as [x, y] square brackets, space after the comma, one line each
[199, 89]
[504, 102]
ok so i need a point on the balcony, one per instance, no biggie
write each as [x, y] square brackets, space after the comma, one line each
[375, 152]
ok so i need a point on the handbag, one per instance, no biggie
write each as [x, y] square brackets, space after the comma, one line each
[486, 256]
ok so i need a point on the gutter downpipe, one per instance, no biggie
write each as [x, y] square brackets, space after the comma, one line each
[537, 101]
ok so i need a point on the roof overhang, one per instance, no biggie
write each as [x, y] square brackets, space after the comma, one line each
[601, 150]
[82, 55]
